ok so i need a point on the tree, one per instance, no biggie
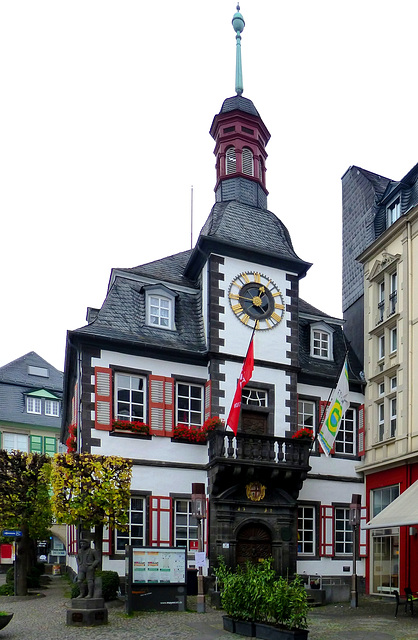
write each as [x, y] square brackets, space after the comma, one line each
[91, 490]
[25, 504]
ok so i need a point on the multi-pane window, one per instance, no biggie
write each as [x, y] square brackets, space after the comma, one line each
[33, 405]
[381, 303]
[135, 535]
[52, 408]
[130, 397]
[254, 397]
[393, 340]
[43, 444]
[343, 532]
[381, 389]
[185, 524]
[393, 383]
[15, 442]
[320, 344]
[306, 530]
[189, 407]
[393, 296]
[392, 403]
[345, 441]
[381, 420]
[159, 311]
[393, 212]
[306, 413]
[231, 161]
[381, 498]
[247, 162]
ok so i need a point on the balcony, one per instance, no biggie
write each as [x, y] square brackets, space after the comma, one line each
[280, 462]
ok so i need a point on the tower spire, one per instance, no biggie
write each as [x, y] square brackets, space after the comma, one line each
[238, 24]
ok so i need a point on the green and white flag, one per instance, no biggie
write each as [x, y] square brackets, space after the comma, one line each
[337, 407]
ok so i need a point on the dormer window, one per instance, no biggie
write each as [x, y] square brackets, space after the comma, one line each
[321, 341]
[247, 162]
[231, 161]
[33, 405]
[159, 301]
[393, 211]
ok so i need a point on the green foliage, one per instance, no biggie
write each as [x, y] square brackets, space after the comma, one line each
[7, 590]
[92, 489]
[221, 572]
[24, 493]
[33, 575]
[10, 575]
[253, 593]
[110, 585]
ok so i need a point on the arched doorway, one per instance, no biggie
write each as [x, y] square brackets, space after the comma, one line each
[253, 543]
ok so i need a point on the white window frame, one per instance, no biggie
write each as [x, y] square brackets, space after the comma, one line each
[345, 442]
[393, 340]
[185, 524]
[190, 405]
[136, 534]
[33, 405]
[343, 532]
[160, 305]
[381, 301]
[306, 530]
[393, 295]
[381, 421]
[52, 408]
[306, 414]
[393, 211]
[254, 397]
[133, 400]
[321, 341]
[15, 442]
[381, 347]
[393, 383]
[393, 416]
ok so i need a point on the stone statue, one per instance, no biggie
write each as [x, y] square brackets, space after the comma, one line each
[87, 559]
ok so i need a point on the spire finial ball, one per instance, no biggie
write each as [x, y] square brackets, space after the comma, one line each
[238, 21]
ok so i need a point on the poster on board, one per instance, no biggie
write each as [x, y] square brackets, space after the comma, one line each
[158, 566]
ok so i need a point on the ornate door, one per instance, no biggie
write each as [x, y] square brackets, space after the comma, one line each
[253, 543]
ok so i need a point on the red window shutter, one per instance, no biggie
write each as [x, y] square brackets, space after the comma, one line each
[208, 399]
[361, 447]
[107, 541]
[71, 540]
[323, 405]
[363, 537]
[160, 521]
[103, 396]
[161, 405]
[326, 531]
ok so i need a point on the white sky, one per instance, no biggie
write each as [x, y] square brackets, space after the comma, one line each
[105, 112]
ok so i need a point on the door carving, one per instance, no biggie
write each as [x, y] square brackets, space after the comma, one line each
[253, 543]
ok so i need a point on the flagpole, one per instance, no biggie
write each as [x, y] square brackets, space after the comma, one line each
[236, 402]
[322, 416]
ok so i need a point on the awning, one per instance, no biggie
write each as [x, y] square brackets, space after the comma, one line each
[402, 511]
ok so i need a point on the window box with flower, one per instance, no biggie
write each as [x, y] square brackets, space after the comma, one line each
[303, 434]
[130, 428]
[197, 435]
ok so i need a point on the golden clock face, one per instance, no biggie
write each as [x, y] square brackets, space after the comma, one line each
[256, 300]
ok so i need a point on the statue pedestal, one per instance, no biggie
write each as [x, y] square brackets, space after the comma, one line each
[87, 612]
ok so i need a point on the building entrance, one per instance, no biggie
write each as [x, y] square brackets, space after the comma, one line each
[253, 543]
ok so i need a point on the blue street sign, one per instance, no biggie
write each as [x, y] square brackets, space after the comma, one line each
[11, 533]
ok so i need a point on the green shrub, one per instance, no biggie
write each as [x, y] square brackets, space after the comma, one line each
[110, 585]
[221, 572]
[7, 589]
[253, 593]
[10, 575]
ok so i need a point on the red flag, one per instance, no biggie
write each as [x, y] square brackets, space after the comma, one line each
[245, 377]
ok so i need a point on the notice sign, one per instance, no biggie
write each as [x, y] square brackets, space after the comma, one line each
[200, 559]
[158, 566]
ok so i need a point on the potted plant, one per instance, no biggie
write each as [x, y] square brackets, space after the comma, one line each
[221, 573]
[5, 618]
[260, 605]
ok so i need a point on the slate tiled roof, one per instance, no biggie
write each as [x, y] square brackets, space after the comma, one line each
[15, 382]
[122, 317]
[169, 269]
[251, 229]
[239, 103]
[407, 188]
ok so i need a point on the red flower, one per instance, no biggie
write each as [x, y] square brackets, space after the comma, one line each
[135, 426]
[71, 441]
[303, 434]
[197, 434]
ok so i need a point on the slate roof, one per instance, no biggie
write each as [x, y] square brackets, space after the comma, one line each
[239, 103]
[248, 228]
[122, 317]
[169, 269]
[15, 382]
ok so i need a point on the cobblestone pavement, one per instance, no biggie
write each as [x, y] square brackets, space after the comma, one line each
[43, 617]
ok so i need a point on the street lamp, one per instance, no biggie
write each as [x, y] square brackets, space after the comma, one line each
[199, 512]
[355, 507]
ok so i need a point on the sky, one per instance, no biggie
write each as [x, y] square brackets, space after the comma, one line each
[105, 112]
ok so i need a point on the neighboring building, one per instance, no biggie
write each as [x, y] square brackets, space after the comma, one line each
[166, 348]
[30, 410]
[385, 213]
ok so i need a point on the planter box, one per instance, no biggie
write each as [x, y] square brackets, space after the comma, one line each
[215, 600]
[245, 628]
[270, 632]
[5, 620]
[229, 624]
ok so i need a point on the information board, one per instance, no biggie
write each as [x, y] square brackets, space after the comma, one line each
[158, 566]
